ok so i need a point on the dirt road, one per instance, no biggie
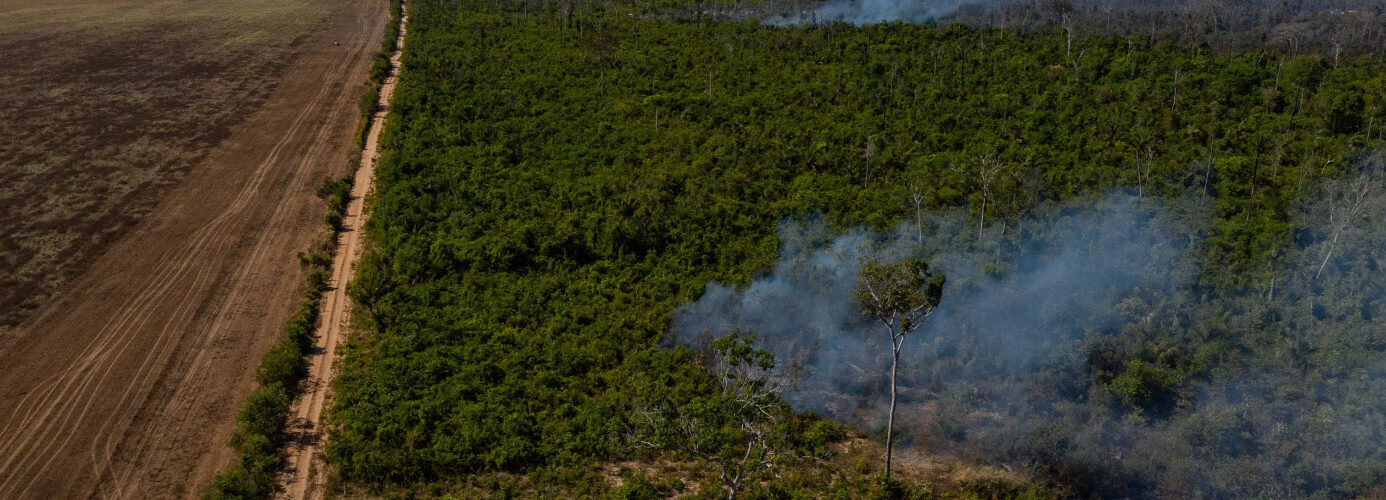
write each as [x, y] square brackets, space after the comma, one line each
[303, 476]
[127, 385]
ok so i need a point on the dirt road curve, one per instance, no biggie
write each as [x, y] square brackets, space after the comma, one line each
[304, 472]
[128, 384]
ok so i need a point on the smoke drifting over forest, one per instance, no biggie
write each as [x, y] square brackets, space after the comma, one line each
[875, 11]
[1300, 26]
[1066, 273]
[1080, 345]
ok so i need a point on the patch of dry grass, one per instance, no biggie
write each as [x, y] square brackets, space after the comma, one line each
[850, 471]
[106, 105]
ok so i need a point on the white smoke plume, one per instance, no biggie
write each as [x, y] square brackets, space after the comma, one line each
[1271, 389]
[1011, 299]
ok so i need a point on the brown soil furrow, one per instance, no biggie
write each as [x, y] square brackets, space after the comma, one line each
[147, 376]
[303, 476]
[121, 332]
[179, 403]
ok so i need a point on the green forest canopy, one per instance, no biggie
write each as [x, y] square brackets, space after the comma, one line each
[556, 183]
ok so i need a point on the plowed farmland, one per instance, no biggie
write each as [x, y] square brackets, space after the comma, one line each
[159, 164]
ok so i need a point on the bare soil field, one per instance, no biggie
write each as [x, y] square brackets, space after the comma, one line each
[124, 381]
[107, 105]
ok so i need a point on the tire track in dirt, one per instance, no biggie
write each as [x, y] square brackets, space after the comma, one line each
[180, 401]
[158, 318]
[303, 476]
[121, 332]
[125, 330]
[110, 343]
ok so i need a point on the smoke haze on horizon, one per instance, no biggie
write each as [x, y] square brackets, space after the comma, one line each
[875, 11]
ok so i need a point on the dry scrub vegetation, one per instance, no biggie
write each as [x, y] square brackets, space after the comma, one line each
[845, 471]
[106, 106]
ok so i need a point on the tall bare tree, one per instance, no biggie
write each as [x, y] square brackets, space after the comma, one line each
[1069, 34]
[989, 170]
[733, 430]
[899, 296]
[1346, 201]
[917, 187]
[1143, 168]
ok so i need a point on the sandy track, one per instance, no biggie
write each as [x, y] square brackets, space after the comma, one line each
[127, 386]
[304, 474]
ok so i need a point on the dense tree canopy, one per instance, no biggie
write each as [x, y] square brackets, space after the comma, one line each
[557, 179]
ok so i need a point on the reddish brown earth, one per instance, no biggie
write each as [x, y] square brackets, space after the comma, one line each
[126, 383]
[109, 104]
